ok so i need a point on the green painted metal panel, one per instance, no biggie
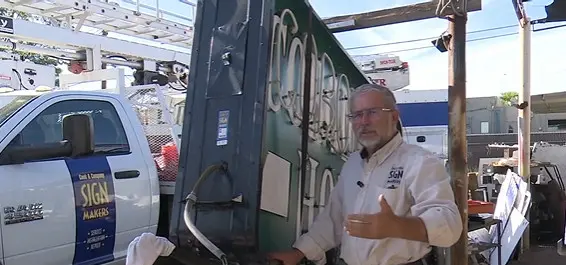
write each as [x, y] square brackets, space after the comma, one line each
[334, 74]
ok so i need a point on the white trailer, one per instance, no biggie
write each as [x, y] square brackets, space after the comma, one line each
[424, 114]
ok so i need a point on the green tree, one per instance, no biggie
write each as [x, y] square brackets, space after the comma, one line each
[32, 57]
[509, 98]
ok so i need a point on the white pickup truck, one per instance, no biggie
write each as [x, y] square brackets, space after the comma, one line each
[72, 193]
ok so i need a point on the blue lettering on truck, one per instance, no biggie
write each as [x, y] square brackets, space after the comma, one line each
[95, 210]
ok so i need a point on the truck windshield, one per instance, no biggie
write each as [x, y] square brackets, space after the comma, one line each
[10, 104]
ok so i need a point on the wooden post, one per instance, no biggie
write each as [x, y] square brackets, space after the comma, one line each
[458, 148]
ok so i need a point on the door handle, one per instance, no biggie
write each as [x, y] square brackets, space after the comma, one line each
[128, 174]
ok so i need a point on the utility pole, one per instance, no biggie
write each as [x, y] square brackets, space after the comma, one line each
[524, 115]
[524, 101]
[458, 149]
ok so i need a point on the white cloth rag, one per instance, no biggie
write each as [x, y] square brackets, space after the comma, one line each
[145, 249]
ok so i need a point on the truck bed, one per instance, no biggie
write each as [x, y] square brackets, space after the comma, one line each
[166, 169]
[167, 174]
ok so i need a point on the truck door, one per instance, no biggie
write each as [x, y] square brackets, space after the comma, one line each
[42, 190]
[83, 210]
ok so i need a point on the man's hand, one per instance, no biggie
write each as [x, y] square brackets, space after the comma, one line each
[373, 226]
[291, 257]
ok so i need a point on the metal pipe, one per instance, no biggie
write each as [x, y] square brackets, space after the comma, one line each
[457, 131]
[164, 12]
[503, 146]
[305, 122]
[40, 50]
[135, 65]
[524, 115]
[71, 55]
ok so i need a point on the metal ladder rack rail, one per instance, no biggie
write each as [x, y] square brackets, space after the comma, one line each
[98, 48]
[109, 17]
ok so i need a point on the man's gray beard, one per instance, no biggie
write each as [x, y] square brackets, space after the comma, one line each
[369, 144]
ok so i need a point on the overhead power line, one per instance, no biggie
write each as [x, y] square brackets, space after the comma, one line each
[425, 39]
[472, 40]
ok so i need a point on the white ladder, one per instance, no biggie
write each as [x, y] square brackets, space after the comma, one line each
[110, 17]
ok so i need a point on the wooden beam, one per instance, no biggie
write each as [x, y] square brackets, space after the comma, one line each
[457, 140]
[390, 16]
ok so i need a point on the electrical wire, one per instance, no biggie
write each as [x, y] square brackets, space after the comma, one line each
[472, 40]
[430, 46]
[190, 203]
[425, 39]
[20, 80]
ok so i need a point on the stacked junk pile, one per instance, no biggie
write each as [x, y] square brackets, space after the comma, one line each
[502, 204]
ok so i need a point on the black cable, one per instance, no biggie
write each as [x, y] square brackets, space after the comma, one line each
[21, 81]
[561, 182]
[306, 117]
[430, 46]
[472, 40]
[425, 39]
[184, 87]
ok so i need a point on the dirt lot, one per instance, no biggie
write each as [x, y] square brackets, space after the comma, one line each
[540, 255]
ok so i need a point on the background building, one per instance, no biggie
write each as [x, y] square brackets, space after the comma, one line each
[490, 120]
[489, 115]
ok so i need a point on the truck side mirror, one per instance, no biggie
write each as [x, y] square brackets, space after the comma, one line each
[78, 129]
[78, 140]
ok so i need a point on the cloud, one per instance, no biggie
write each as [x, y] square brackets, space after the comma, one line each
[493, 65]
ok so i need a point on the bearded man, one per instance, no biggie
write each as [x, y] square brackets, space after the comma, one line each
[393, 201]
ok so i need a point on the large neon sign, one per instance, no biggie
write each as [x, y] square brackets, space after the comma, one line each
[329, 91]
[310, 202]
[328, 125]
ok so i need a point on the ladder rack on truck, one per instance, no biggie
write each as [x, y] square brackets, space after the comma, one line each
[111, 17]
[158, 93]
[94, 50]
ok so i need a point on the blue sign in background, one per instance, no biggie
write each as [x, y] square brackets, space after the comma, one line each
[424, 114]
[95, 212]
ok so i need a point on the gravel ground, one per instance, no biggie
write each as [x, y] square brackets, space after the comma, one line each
[540, 256]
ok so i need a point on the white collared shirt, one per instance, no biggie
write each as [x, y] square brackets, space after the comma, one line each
[414, 182]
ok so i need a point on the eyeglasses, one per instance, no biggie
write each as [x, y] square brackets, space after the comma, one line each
[371, 113]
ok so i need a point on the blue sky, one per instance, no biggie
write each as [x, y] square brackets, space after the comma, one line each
[493, 65]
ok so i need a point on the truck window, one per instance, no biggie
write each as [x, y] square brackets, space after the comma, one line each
[10, 104]
[109, 134]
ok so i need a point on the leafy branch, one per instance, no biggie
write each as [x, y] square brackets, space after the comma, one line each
[509, 98]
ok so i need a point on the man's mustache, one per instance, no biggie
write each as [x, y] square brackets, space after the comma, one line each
[366, 130]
